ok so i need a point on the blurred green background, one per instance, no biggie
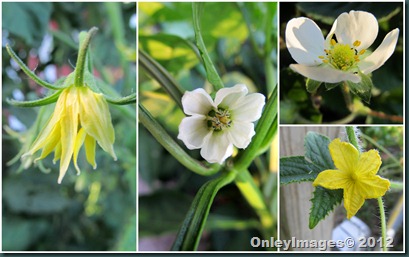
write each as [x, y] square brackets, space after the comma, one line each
[167, 188]
[299, 106]
[97, 209]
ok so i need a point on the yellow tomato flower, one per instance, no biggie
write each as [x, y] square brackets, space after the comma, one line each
[80, 117]
[355, 174]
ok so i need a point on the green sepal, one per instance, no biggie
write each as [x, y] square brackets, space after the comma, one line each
[40, 102]
[323, 202]
[28, 72]
[363, 88]
[130, 99]
[297, 169]
[312, 85]
[330, 86]
[192, 227]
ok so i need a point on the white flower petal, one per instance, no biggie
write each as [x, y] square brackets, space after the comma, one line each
[381, 54]
[193, 131]
[355, 25]
[228, 96]
[197, 101]
[240, 134]
[217, 148]
[324, 73]
[249, 109]
[304, 41]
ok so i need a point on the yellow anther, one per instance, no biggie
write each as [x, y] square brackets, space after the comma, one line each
[357, 43]
[333, 42]
[321, 57]
[362, 52]
[325, 61]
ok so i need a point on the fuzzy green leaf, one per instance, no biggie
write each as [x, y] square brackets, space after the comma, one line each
[316, 150]
[192, 228]
[297, 169]
[323, 202]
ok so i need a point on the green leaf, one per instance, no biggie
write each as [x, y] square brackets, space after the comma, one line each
[192, 228]
[29, 21]
[211, 72]
[297, 169]
[20, 233]
[127, 237]
[363, 88]
[162, 212]
[316, 150]
[156, 71]
[323, 202]
[312, 85]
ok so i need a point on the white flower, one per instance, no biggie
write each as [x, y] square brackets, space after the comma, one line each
[216, 125]
[343, 54]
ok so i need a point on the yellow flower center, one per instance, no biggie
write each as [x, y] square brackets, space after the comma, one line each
[342, 56]
[218, 119]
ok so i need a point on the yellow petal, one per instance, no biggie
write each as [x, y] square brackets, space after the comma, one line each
[57, 153]
[96, 119]
[344, 155]
[353, 201]
[372, 186]
[43, 136]
[79, 140]
[369, 162]
[69, 128]
[90, 144]
[51, 142]
[332, 179]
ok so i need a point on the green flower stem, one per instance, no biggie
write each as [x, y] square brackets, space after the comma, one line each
[251, 192]
[354, 141]
[160, 74]
[159, 133]
[211, 72]
[383, 223]
[352, 137]
[82, 56]
[244, 159]
[28, 72]
[396, 185]
[268, 29]
[347, 96]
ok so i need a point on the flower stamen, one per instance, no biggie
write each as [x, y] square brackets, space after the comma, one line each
[218, 119]
[342, 56]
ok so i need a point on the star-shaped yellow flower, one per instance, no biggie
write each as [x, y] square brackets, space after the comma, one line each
[81, 117]
[355, 174]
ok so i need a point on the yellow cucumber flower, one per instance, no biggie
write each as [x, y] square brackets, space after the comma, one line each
[80, 117]
[355, 174]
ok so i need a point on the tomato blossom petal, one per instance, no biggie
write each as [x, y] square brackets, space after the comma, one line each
[81, 117]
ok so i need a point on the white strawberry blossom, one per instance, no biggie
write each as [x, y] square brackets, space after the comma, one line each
[343, 55]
